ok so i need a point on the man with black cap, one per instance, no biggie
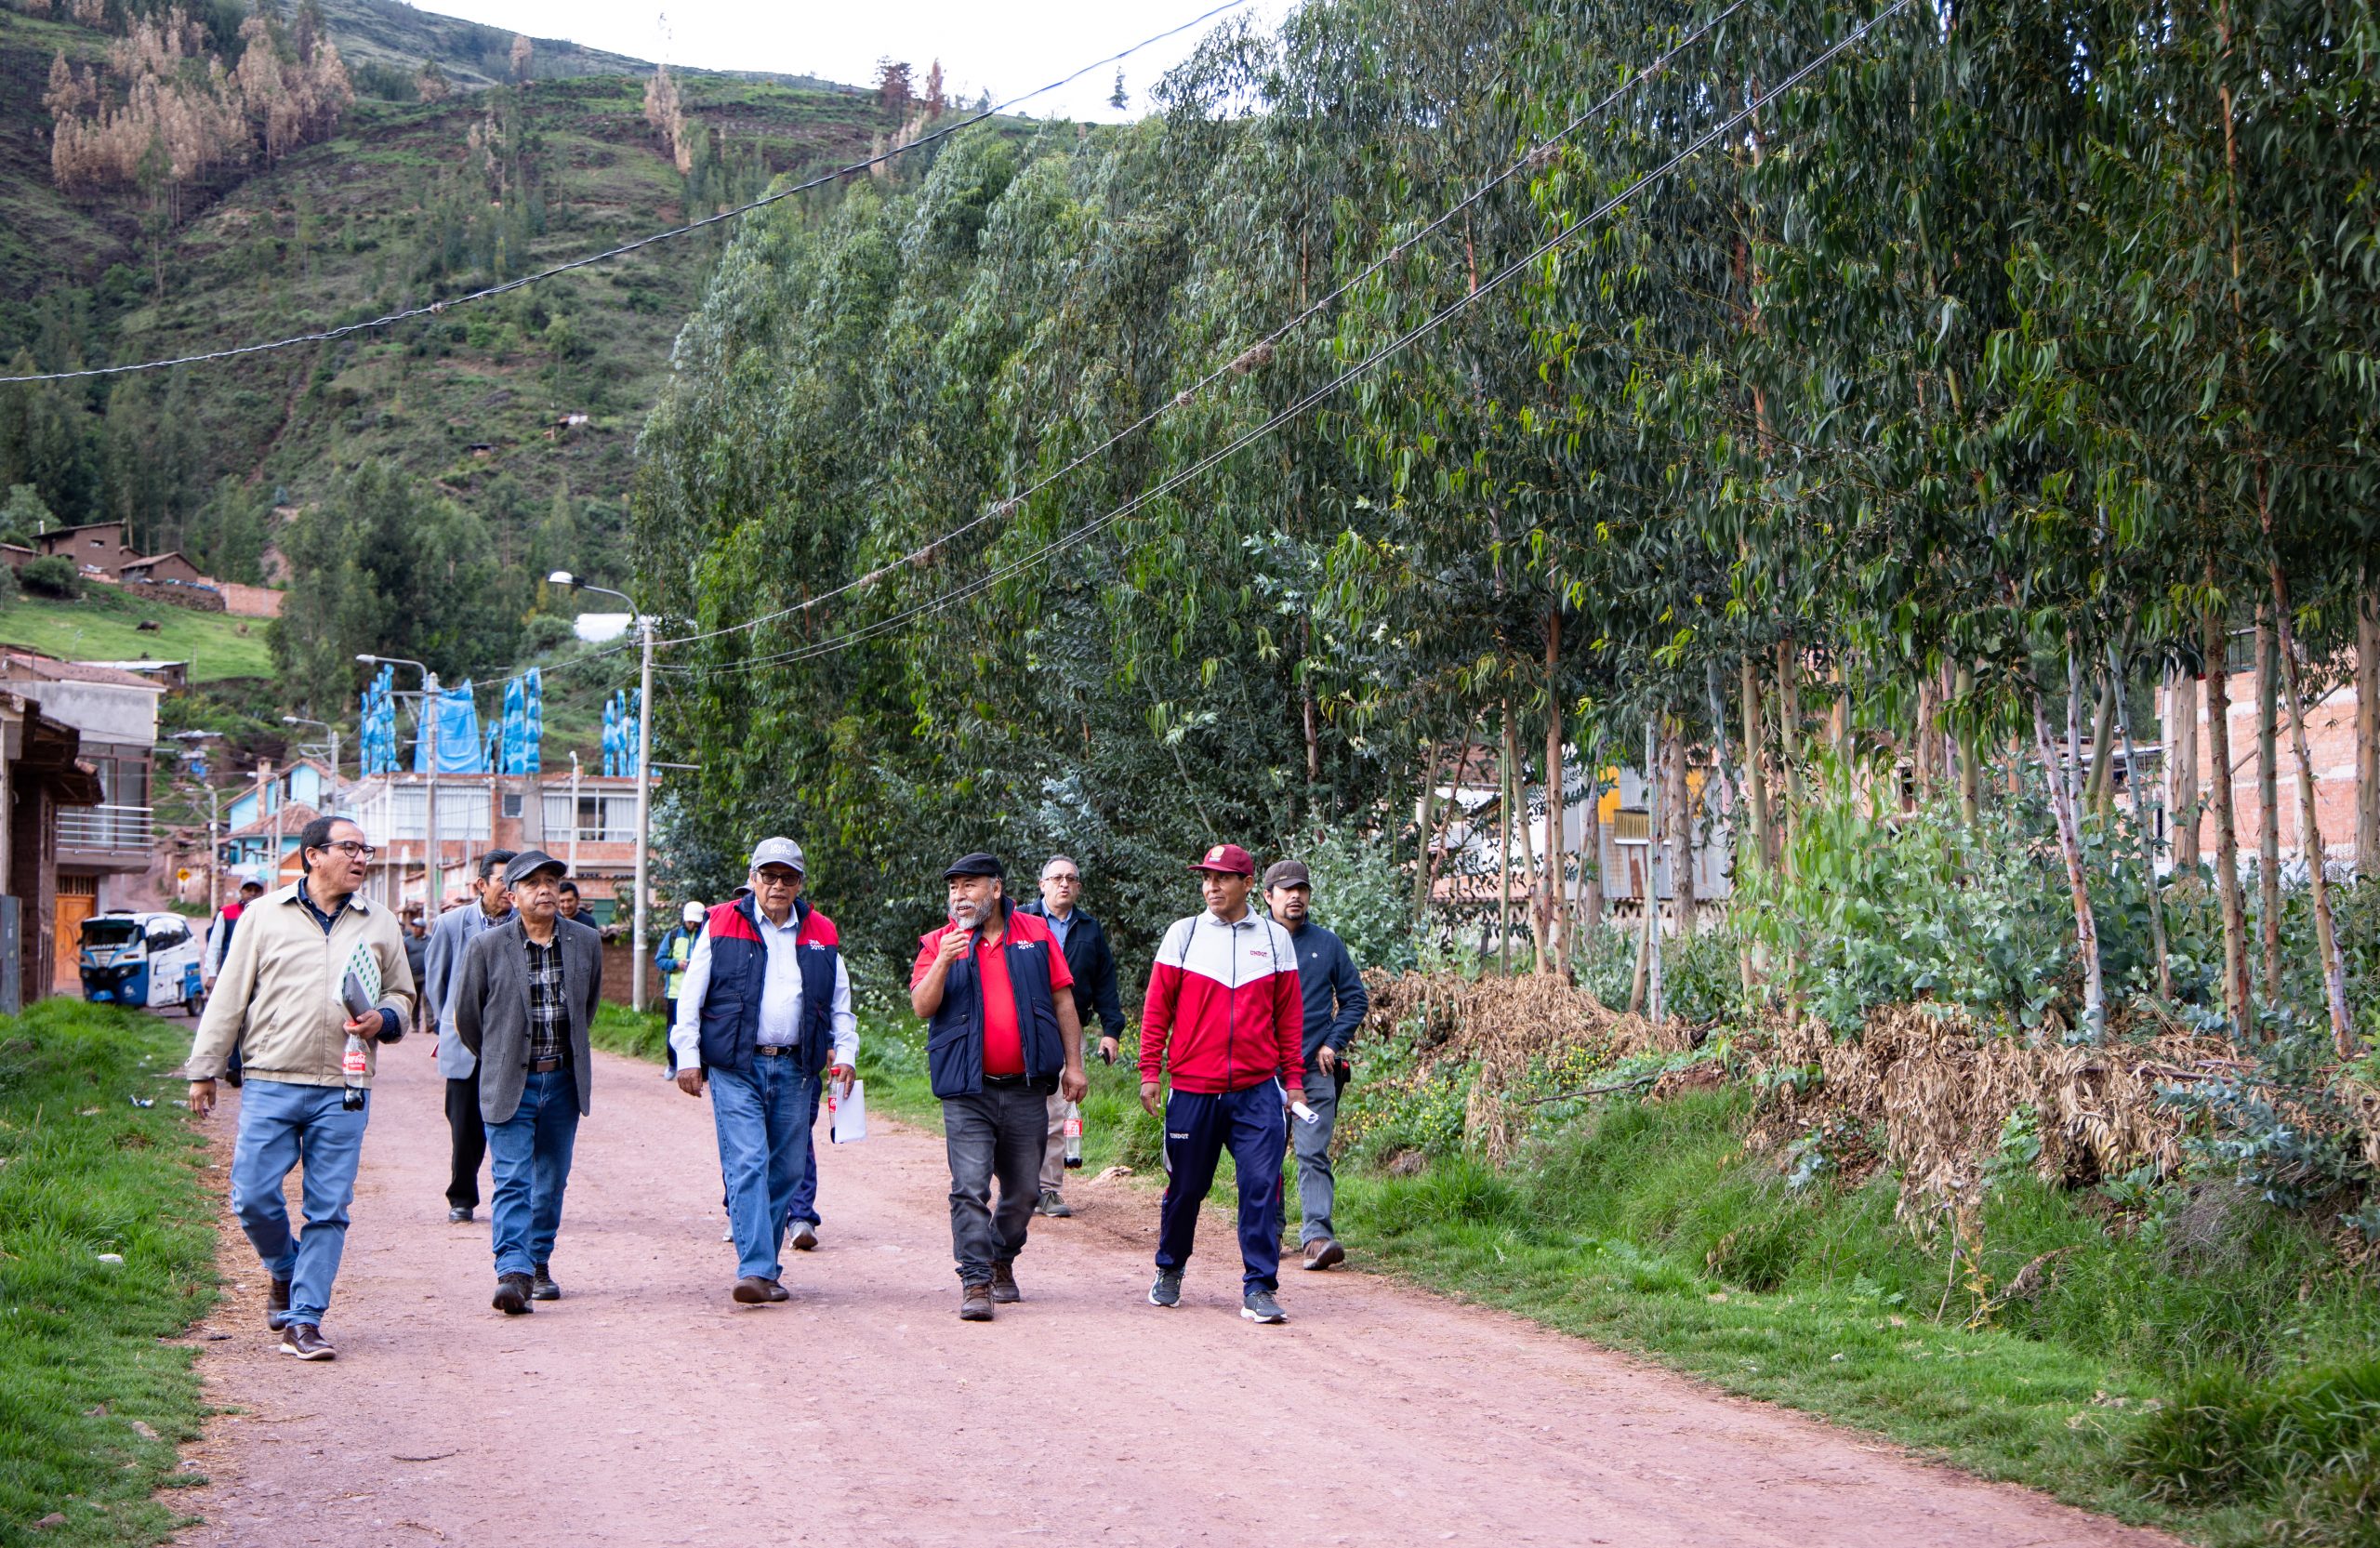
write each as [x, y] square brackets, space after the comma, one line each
[523, 1005]
[1001, 1034]
[1223, 1019]
[1335, 1006]
[764, 1011]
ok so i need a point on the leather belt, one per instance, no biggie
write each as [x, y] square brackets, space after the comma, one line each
[776, 1051]
[543, 1066]
[1003, 1080]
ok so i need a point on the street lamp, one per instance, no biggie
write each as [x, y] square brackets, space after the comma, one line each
[431, 890]
[301, 719]
[644, 769]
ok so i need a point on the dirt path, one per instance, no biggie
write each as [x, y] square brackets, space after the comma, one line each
[645, 1409]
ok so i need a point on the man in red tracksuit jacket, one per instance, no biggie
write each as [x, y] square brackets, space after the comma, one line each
[1224, 1017]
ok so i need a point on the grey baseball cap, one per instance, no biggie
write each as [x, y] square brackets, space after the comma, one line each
[778, 851]
[528, 863]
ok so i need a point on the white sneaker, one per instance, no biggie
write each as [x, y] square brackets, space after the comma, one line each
[728, 1235]
[805, 1237]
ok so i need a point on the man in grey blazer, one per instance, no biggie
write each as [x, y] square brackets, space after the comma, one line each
[449, 938]
[527, 998]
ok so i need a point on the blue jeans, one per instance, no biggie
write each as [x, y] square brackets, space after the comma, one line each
[1198, 1126]
[282, 1125]
[763, 1154]
[529, 1153]
[805, 1193]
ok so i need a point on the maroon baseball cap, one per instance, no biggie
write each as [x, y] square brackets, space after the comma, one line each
[1230, 859]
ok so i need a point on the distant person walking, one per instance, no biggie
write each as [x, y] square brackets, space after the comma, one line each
[571, 901]
[301, 1103]
[1335, 1003]
[527, 998]
[416, 939]
[219, 932]
[766, 1010]
[1092, 965]
[449, 940]
[1000, 1035]
[1223, 1019]
[676, 950]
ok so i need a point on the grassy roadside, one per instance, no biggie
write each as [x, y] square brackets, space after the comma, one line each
[92, 1405]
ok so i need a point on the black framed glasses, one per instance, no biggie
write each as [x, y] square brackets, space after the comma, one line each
[354, 848]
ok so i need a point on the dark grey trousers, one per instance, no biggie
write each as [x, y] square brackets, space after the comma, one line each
[999, 1133]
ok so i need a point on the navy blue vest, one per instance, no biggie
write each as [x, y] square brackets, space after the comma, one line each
[739, 964]
[954, 1033]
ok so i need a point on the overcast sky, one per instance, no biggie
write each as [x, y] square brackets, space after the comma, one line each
[1006, 49]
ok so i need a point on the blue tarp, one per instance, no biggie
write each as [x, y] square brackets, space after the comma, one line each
[460, 749]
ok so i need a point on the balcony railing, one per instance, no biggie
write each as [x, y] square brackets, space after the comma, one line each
[121, 828]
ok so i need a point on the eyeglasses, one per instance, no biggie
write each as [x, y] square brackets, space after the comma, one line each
[1068, 877]
[779, 879]
[353, 850]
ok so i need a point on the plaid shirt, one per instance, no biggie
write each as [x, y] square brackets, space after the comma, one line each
[548, 1015]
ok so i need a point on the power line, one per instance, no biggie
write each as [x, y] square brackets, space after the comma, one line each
[392, 319]
[1241, 361]
[1300, 407]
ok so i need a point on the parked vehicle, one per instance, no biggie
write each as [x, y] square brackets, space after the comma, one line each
[142, 961]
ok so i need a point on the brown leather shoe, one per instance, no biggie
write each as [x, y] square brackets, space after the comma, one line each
[1322, 1252]
[305, 1340]
[974, 1302]
[777, 1291]
[512, 1294]
[1004, 1290]
[751, 1291]
[276, 1305]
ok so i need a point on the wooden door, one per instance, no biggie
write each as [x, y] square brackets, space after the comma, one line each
[78, 899]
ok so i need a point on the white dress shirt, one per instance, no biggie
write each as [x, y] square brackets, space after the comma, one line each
[780, 997]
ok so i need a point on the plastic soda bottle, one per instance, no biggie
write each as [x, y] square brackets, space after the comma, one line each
[1071, 1128]
[354, 1067]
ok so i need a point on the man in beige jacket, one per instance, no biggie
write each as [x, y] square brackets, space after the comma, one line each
[279, 998]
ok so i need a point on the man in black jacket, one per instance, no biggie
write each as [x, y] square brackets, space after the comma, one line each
[1335, 1005]
[1085, 948]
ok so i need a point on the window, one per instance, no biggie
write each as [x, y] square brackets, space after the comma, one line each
[602, 819]
[511, 803]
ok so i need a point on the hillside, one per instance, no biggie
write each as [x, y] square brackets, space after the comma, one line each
[474, 55]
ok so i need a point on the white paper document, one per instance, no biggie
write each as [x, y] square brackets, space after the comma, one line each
[849, 1122]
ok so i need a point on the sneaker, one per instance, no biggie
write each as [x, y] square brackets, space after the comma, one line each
[305, 1340]
[805, 1237]
[728, 1235]
[459, 1216]
[1004, 1290]
[974, 1302]
[1166, 1291]
[276, 1305]
[512, 1292]
[1258, 1306]
[1053, 1206]
[1322, 1252]
[542, 1286]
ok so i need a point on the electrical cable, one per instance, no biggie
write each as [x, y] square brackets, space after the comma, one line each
[1235, 366]
[433, 308]
[1298, 408]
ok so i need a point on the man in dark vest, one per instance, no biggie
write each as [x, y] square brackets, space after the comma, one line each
[1001, 1034]
[1084, 945]
[765, 1012]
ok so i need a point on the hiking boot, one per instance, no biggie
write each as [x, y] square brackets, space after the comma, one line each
[542, 1286]
[752, 1291]
[1004, 1290]
[1166, 1291]
[1053, 1206]
[974, 1302]
[459, 1216]
[1322, 1252]
[276, 1305]
[1258, 1306]
[512, 1292]
[305, 1340]
[805, 1237]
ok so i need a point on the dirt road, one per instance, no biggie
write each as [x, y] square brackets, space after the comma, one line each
[646, 1409]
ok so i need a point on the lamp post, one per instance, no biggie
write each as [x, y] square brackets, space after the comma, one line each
[429, 876]
[644, 769]
[574, 811]
[301, 719]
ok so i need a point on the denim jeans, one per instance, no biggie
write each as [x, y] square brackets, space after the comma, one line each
[805, 1193]
[282, 1125]
[763, 1153]
[1199, 1126]
[1312, 1143]
[999, 1132]
[530, 1155]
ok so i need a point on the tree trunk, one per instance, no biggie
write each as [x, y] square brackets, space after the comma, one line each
[2227, 827]
[1970, 751]
[1422, 823]
[1591, 881]
[2367, 728]
[1679, 804]
[1453, 807]
[2181, 765]
[1755, 778]
[2136, 787]
[1508, 784]
[2268, 803]
[1788, 750]
[2310, 827]
[2100, 792]
[2069, 847]
[1556, 957]
[1655, 804]
[1925, 745]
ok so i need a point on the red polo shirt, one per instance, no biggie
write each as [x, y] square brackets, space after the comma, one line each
[1003, 1040]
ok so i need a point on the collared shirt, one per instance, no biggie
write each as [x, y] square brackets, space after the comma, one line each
[1059, 924]
[548, 1013]
[306, 896]
[780, 997]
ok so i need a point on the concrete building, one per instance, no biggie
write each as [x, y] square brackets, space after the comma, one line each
[41, 779]
[594, 830]
[2329, 741]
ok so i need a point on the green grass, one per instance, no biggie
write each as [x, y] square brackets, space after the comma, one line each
[91, 1404]
[104, 627]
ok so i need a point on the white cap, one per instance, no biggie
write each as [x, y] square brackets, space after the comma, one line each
[692, 912]
[779, 852]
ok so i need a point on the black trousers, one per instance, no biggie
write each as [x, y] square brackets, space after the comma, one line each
[999, 1133]
[470, 1142]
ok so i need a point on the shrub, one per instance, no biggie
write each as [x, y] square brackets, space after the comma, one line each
[1360, 897]
[51, 575]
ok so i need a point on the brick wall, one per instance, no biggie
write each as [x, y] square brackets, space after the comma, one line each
[619, 976]
[2329, 741]
[250, 602]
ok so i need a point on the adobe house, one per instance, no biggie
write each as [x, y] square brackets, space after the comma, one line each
[101, 546]
[40, 774]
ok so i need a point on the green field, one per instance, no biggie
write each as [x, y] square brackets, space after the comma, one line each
[107, 628]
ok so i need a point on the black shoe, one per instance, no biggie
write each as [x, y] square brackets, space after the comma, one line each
[458, 1215]
[974, 1302]
[305, 1340]
[753, 1291]
[1004, 1290]
[542, 1286]
[1258, 1306]
[512, 1294]
[1053, 1206]
[276, 1305]
[1167, 1291]
[777, 1291]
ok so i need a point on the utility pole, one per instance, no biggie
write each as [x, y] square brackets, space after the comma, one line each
[214, 850]
[269, 790]
[574, 811]
[643, 804]
[434, 892]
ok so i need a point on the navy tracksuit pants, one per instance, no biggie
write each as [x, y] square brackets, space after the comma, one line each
[1198, 1126]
